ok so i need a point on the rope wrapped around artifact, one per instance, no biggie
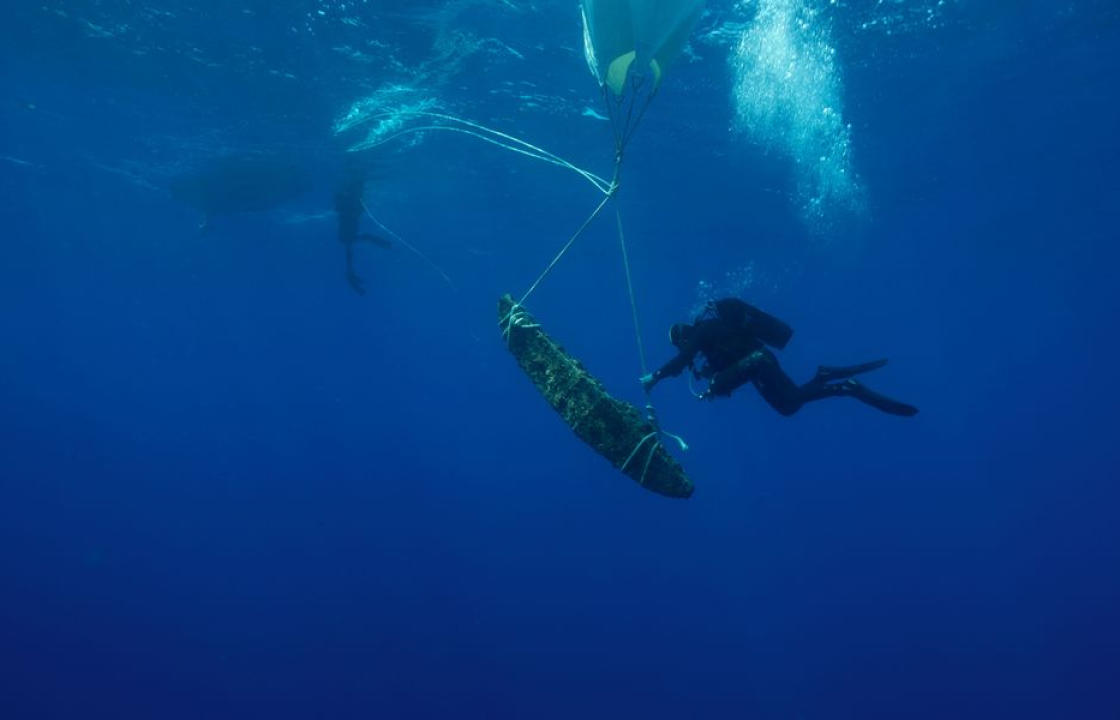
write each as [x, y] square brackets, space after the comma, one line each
[612, 427]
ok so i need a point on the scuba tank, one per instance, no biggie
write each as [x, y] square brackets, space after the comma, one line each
[767, 328]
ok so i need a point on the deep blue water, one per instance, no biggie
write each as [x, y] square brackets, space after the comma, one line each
[231, 487]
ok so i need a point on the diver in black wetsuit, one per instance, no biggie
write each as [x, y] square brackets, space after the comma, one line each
[348, 205]
[732, 336]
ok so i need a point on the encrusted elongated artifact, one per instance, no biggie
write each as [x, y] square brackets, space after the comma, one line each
[614, 428]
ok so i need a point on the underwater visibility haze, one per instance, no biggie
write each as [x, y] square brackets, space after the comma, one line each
[270, 448]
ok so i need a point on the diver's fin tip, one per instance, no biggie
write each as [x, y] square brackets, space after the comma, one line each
[877, 400]
[828, 373]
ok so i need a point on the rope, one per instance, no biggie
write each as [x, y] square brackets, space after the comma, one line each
[692, 389]
[623, 131]
[408, 245]
[521, 147]
[678, 438]
[476, 130]
[649, 459]
[630, 291]
[652, 451]
[635, 452]
[651, 411]
[621, 139]
[567, 246]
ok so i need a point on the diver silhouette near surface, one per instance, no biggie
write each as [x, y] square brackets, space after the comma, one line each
[348, 205]
[733, 335]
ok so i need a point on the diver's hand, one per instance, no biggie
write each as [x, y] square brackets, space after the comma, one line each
[648, 381]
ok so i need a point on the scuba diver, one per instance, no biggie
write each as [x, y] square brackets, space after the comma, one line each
[732, 335]
[349, 206]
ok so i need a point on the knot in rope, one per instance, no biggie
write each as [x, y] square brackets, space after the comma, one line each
[517, 317]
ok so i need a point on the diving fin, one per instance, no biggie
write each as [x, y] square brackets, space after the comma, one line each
[375, 240]
[828, 373]
[356, 283]
[877, 400]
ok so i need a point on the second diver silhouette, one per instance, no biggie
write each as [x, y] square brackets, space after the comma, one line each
[348, 204]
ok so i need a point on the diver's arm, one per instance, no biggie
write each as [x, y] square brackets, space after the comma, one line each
[677, 365]
[703, 335]
[672, 368]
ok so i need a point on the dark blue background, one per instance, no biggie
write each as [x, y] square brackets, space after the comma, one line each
[229, 487]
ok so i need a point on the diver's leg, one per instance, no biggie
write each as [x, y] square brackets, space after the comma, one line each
[351, 276]
[817, 390]
[775, 387]
[726, 380]
[825, 384]
[829, 373]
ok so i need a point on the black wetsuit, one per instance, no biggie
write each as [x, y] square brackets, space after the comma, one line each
[348, 206]
[735, 354]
